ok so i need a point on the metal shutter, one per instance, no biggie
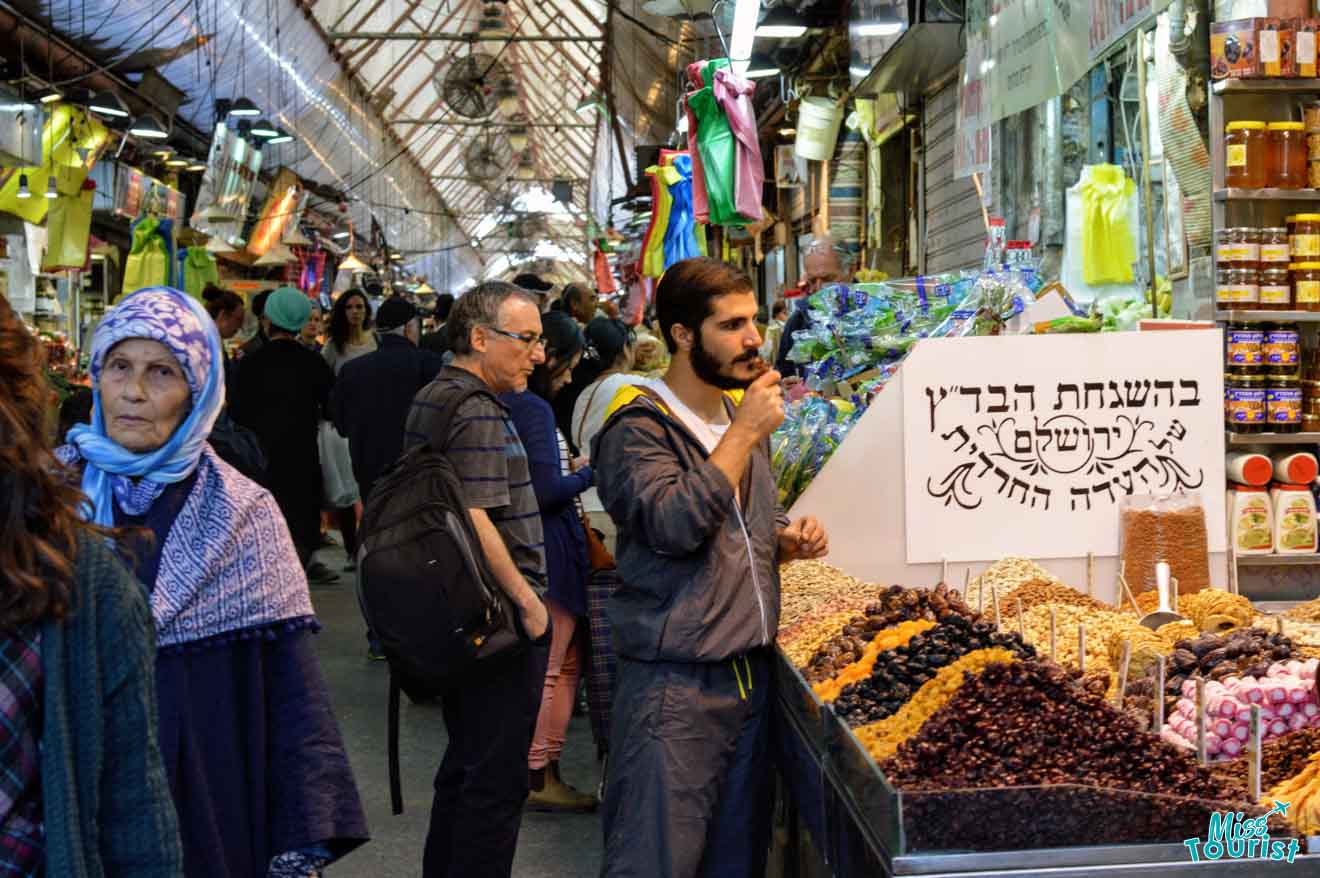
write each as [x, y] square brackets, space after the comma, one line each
[955, 230]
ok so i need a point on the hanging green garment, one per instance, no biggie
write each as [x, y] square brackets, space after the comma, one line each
[199, 269]
[718, 149]
[148, 263]
[1109, 245]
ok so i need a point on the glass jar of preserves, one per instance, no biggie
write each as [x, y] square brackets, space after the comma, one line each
[1282, 347]
[1244, 348]
[1244, 402]
[1287, 155]
[1311, 423]
[1237, 248]
[1274, 247]
[1275, 287]
[1245, 148]
[1306, 237]
[1236, 288]
[1306, 286]
[1283, 404]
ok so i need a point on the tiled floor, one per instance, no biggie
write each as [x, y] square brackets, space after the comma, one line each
[550, 846]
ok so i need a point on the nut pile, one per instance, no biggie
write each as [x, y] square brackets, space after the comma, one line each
[1004, 576]
[1027, 723]
[1307, 612]
[811, 635]
[1101, 627]
[853, 604]
[900, 673]
[895, 606]
[891, 638]
[804, 586]
[1211, 609]
[1039, 592]
[883, 738]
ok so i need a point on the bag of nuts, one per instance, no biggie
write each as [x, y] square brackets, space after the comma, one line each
[1169, 527]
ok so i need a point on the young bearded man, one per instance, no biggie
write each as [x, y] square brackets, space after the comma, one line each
[683, 468]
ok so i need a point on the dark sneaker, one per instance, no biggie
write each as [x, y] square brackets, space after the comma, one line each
[319, 574]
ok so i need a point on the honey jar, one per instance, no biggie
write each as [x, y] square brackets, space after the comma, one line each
[1287, 156]
[1237, 247]
[1306, 237]
[1306, 286]
[1244, 403]
[1245, 146]
[1275, 287]
[1274, 246]
[1283, 404]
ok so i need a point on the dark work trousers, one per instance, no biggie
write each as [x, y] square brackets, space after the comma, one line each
[481, 786]
[689, 792]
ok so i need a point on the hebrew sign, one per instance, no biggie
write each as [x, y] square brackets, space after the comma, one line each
[1026, 445]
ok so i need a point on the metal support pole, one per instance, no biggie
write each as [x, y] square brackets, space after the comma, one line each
[1145, 172]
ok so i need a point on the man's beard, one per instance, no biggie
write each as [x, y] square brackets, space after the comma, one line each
[716, 374]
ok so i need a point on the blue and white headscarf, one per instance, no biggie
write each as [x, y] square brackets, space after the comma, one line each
[181, 324]
[228, 566]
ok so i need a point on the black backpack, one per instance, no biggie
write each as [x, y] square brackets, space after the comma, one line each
[424, 584]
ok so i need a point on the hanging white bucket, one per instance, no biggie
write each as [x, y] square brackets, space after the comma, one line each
[818, 128]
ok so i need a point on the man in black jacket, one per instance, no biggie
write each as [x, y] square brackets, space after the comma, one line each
[438, 341]
[373, 393]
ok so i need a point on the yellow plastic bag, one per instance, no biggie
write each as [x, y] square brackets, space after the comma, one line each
[148, 263]
[1109, 244]
[67, 130]
[68, 226]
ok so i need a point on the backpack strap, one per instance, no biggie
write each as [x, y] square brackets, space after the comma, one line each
[396, 785]
[444, 421]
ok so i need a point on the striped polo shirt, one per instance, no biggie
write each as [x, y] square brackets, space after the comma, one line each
[485, 449]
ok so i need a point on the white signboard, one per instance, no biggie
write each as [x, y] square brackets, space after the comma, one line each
[1027, 445]
[971, 154]
[1037, 51]
[1112, 20]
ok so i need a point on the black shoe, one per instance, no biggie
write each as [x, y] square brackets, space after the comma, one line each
[351, 566]
[319, 574]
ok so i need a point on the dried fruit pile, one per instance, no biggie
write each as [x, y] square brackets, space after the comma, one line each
[895, 606]
[1280, 759]
[1285, 695]
[1247, 652]
[1302, 792]
[1307, 612]
[900, 673]
[1027, 723]
[890, 638]
[1211, 609]
[811, 635]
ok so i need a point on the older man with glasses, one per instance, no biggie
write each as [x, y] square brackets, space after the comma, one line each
[482, 784]
[824, 263]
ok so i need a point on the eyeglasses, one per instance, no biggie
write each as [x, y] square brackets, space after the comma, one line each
[528, 340]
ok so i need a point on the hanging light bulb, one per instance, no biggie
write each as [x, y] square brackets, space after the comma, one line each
[148, 127]
[276, 255]
[49, 95]
[107, 103]
[352, 263]
[281, 136]
[23, 190]
[526, 169]
[519, 135]
[506, 96]
[177, 161]
[244, 107]
[52, 191]
[264, 129]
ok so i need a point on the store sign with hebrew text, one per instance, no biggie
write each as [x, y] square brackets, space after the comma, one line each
[1113, 20]
[1037, 50]
[1027, 445]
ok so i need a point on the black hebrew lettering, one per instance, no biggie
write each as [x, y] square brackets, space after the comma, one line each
[1022, 442]
[1196, 392]
[1043, 492]
[1099, 431]
[1099, 388]
[934, 404]
[1068, 388]
[989, 464]
[1027, 390]
[1003, 480]
[1142, 465]
[1137, 393]
[1177, 431]
[1080, 492]
[1001, 406]
[1068, 439]
[1118, 398]
[1128, 487]
[1164, 385]
[1103, 486]
[972, 391]
[1045, 436]
[957, 431]
[1018, 483]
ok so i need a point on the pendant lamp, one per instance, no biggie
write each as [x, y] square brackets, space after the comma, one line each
[148, 127]
[294, 237]
[107, 103]
[352, 263]
[281, 136]
[23, 190]
[51, 190]
[218, 244]
[243, 107]
[216, 215]
[277, 255]
[264, 129]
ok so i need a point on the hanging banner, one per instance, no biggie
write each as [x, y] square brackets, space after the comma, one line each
[1038, 49]
[1027, 445]
[231, 175]
[137, 193]
[1112, 20]
[971, 153]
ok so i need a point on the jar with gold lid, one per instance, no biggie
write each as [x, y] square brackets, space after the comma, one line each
[1245, 147]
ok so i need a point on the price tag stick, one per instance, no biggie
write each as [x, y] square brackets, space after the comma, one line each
[1200, 720]
[1159, 695]
[967, 582]
[1123, 672]
[1054, 625]
[1081, 647]
[1127, 590]
[1022, 625]
[1090, 573]
[980, 596]
[1279, 619]
[1253, 755]
[944, 570]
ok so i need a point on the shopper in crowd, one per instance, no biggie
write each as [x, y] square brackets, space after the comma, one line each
[558, 481]
[226, 309]
[495, 330]
[435, 341]
[83, 792]
[538, 288]
[350, 337]
[261, 781]
[579, 301]
[826, 263]
[283, 391]
[258, 341]
[311, 331]
[774, 330]
[614, 345]
[372, 398]
[683, 468]
[76, 409]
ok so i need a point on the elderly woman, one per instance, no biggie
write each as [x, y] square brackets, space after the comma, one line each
[255, 761]
[83, 792]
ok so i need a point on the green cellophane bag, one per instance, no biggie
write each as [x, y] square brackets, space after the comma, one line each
[716, 143]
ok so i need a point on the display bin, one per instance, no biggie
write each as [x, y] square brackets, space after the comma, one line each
[799, 701]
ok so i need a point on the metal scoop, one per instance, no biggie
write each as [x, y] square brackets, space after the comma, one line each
[1167, 589]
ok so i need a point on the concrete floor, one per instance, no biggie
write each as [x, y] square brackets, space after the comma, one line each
[550, 846]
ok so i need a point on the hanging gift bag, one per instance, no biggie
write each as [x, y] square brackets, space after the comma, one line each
[69, 224]
[148, 263]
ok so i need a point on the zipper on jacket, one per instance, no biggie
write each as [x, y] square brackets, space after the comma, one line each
[756, 581]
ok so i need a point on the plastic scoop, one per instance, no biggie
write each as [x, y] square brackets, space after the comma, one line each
[1166, 613]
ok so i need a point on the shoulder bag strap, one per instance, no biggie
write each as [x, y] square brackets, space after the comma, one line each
[582, 424]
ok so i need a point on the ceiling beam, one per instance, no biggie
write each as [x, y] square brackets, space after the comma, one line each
[480, 123]
[340, 36]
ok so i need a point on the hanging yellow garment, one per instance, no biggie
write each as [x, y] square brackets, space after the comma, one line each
[148, 263]
[699, 232]
[67, 130]
[653, 257]
[1109, 244]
